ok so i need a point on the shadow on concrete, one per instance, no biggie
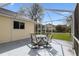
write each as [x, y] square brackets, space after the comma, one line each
[35, 52]
[13, 45]
[52, 51]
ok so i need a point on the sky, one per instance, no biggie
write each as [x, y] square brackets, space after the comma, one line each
[48, 15]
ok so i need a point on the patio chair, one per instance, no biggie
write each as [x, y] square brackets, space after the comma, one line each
[50, 37]
[48, 40]
[34, 41]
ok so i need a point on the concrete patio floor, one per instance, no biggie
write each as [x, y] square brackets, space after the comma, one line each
[22, 48]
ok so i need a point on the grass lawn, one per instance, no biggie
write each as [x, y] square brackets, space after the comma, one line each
[61, 36]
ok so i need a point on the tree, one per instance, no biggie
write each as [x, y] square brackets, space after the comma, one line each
[61, 28]
[35, 12]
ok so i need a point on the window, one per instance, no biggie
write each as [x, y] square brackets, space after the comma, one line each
[16, 25]
[22, 25]
[19, 25]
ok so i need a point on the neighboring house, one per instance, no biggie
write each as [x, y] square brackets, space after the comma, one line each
[48, 28]
[14, 26]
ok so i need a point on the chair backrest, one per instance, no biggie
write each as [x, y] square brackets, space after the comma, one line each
[48, 38]
[33, 38]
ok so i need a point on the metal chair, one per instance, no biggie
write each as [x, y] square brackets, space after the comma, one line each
[34, 41]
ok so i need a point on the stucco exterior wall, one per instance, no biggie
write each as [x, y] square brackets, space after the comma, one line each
[18, 34]
[29, 28]
[5, 29]
[8, 33]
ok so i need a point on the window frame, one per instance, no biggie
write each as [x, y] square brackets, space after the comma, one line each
[22, 25]
[19, 25]
[15, 25]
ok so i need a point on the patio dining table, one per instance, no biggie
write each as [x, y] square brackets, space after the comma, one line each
[42, 38]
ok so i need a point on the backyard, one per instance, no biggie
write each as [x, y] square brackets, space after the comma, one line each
[61, 36]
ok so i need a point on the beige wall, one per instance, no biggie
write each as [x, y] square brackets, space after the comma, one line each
[7, 33]
[29, 28]
[18, 34]
[5, 29]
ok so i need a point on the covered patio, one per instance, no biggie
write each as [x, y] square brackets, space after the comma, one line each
[22, 48]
